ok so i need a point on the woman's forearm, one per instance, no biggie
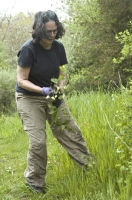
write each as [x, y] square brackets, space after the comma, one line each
[27, 85]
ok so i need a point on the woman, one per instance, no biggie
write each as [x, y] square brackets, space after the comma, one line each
[39, 62]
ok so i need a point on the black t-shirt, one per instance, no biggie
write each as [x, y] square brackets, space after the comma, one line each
[44, 63]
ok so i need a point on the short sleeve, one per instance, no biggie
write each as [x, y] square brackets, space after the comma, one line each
[25, 57]
[61, 49]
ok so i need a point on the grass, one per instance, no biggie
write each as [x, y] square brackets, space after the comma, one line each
[95, 114]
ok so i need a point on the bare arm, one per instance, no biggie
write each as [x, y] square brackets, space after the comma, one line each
[23, 82]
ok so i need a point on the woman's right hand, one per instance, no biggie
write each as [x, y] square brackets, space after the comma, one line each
[46, 90]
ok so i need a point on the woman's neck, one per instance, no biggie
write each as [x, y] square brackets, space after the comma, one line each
[45, 46]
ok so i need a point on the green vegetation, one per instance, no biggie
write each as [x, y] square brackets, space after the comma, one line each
[7, 91]
[98, 43]
[96, 32]
[103, 119]
[91, 42]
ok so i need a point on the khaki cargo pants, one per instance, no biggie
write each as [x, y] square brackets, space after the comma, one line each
[34, 111]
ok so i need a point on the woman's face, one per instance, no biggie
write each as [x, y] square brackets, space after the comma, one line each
[51, 29]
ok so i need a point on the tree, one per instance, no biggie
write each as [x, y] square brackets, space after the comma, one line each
[15, 30]
[93, 27]
[4, 60]
[124, 60]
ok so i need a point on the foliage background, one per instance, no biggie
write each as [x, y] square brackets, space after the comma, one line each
[97, 31]
[98, 43]
[92, 29]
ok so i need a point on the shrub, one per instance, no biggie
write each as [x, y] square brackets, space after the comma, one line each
[7, 91]
[124, 130]
[93, 79]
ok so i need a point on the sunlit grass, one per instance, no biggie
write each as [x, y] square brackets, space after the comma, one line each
[93, 112]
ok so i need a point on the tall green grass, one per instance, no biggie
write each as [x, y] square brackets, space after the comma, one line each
[95, 114]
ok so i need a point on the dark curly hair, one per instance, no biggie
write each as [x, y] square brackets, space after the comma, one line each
[40, 19]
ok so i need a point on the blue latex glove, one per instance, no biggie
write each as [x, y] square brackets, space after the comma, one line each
[46, 90]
